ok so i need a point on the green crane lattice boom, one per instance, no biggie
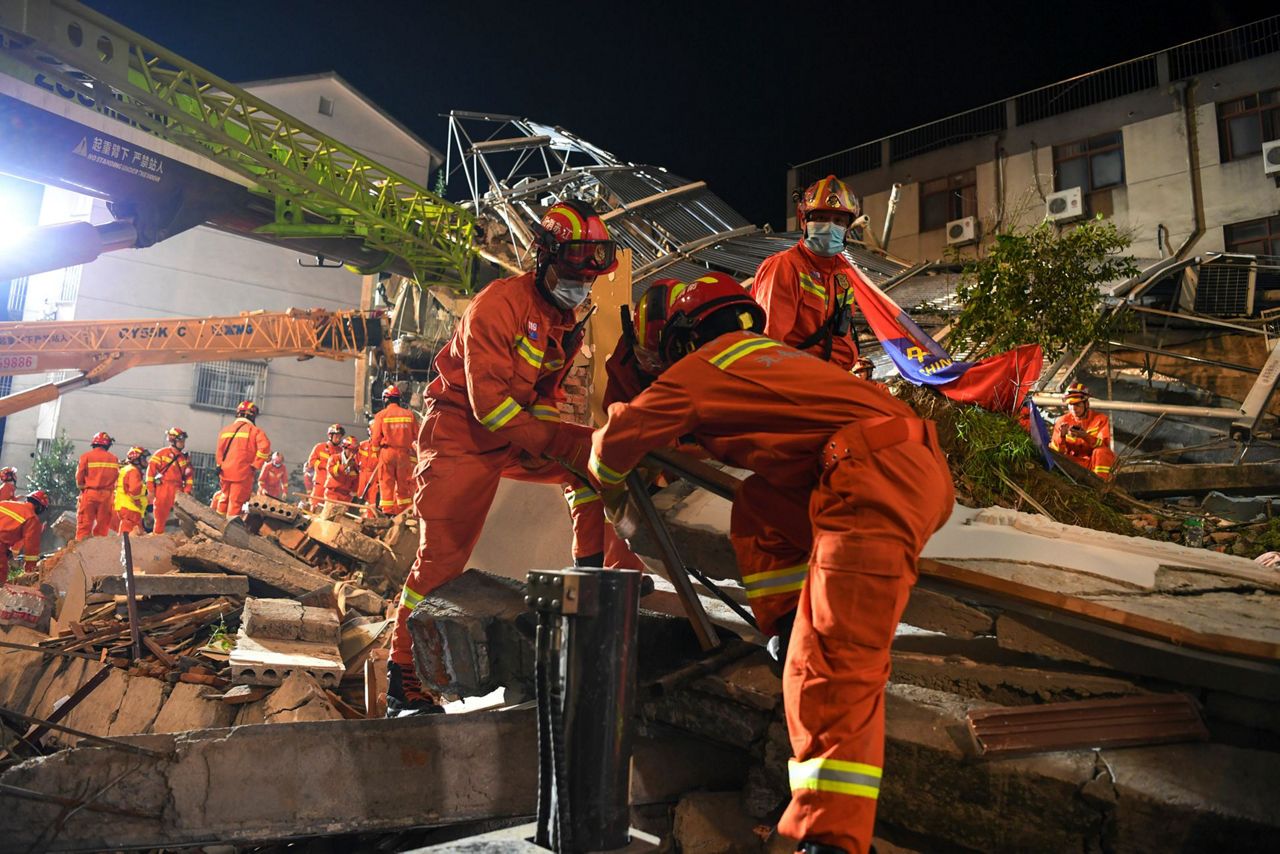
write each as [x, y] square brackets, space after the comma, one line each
[320, 187]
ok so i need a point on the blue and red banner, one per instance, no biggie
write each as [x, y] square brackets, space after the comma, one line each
[999, 383]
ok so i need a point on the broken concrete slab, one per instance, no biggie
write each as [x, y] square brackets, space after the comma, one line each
[177, 584]
[187, 708]
[1004, 684]
[1155, 480]
[96, 712]
[143, 699]
[298, 699]
[290, 577]
[715, 823]
[81, 562]
[937, 612]
[269, 661]
[265, 619]
[346, 540]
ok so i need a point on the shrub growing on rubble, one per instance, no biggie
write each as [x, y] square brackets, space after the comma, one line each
[1039, 285]
[54, 471]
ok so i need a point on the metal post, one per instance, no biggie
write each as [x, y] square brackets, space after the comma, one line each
[126, 558]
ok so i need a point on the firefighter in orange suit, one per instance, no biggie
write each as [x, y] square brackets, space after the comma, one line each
[1082, 435]
[393, 432]
[367, 488]
[877, 486]
[243, 448]
[273, 480]
[96, 477]
[344, 477]
[131, 491]
[807, 291]
[316, 471]
[20, 530]
[491, 413]
[8, 483]
[168, 471]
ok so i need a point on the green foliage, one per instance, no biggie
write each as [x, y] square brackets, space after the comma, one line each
[54, 471]
[994, 444]
[1036, 285]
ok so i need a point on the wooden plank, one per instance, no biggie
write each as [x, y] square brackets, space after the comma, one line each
[1162, 629]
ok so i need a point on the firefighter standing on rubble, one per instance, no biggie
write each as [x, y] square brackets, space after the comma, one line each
[20, 530]
[316, 471]
[344, 477]
[1082, 435]
[169, 471]
[807, 291]
[491, 413]
[96, 477]
[273, 480]
[393, 433]
[8, 483]
[243, 448]
[131, 491]
[877, 486]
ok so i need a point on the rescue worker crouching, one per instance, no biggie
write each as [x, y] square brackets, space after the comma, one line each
[96, 477]
[169, 471]
[243, 448]
[131, 491]
[870, 480]
[273, 480]
[342, 480]
[1082, 435]
[21, 529]
[491, 413]
[807, 291]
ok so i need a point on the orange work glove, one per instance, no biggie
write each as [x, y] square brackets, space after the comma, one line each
[571, 447]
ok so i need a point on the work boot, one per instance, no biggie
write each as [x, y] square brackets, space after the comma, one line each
[595, 561]
[777, 646]
[406, 696]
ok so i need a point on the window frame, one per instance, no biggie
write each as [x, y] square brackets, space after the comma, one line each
[1225, 119]
[1271, 241]
[230, 400]
[954, 190]
[1093, 197]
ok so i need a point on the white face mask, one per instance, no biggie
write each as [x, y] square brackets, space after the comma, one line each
[571, 293]
[824, 238]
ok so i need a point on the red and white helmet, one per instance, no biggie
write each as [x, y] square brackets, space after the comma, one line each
[351, 443]
[700, 300]
[137, 455]
[39, 499]
[247, 409]
[175, 434]
[101, 440]
[652, 310]
[575, 239]
[9, 474]
[829, 194]
[391, 392]
[1077, 393]
[336, 430]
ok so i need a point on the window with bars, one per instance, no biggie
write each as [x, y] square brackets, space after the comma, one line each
[1095, 165]
[1254, 237]
[1245, 123]
[206, 476]
[223, 385]
[945, 199]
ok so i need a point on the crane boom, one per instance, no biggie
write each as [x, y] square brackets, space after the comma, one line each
[319, 186]
[100, 349]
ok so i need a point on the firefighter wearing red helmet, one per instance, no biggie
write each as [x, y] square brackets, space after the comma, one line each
[491, 413]
[243, 448]
[316, 471]
[1083, 435]
[168, 472]
[393, 432]
[21, 529]
[634, 361]
[344, 477]
[807, 291]
[131, 491]
[869, 479]
[8, 483]
[96, 477]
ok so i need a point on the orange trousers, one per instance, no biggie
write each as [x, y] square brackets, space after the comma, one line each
[884, 490]
[162, 505]
[128, 521]
[395, 480]
[236, 493]
[456, 485]
[1099, 461]
[95, 513]
[771, 536]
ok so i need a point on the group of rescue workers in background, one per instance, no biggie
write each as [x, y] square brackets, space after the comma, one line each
[20, 527]
[114, 496]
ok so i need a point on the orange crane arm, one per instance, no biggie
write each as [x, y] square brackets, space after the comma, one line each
[100, 349]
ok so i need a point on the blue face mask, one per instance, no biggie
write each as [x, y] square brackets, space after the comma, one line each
[571, 293]
[824, 238]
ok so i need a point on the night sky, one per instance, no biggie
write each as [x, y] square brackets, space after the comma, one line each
[730, 93]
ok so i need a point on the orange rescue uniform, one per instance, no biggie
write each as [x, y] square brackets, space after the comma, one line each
[343, 477]
[876, 487]
[243, 448]
[168, 471]
[8, 489]
[393, 432]
[368, 465]
[20, 530]
[799, 291]
[96, 477]
[1093, 450]
[130, 499]
[273, 480]
[490, 413]
[318, 465]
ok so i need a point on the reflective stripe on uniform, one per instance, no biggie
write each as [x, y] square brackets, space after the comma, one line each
[529, 352]
[555, 364]
[398, 419]
[579, 497]
[836, 775]
[410, 599]
[544, 412]
[104, 465]
[263, 456]
[501, 414]
[742, 348]
[603, 473]
[807, 283]
[229, 435]
[31, 557]
[786, 580]
[13, 514]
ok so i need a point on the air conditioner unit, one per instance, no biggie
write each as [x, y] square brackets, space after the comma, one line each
[1271, 158]
[962, 231]
[1064, 206]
